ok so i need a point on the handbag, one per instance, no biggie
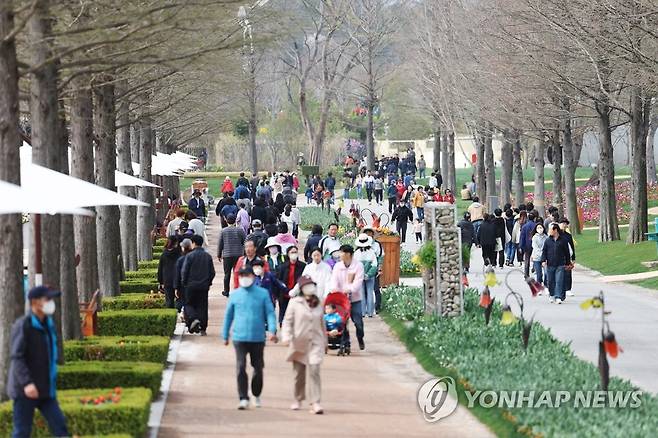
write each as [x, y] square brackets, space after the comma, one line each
[499, 244]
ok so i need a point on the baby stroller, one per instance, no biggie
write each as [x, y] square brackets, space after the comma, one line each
[342, 303]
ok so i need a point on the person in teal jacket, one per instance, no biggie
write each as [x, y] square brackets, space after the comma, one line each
[248, 311]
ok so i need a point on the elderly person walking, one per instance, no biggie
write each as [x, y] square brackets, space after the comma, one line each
[303, 332]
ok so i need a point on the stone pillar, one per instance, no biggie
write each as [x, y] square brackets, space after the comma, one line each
[443, 287]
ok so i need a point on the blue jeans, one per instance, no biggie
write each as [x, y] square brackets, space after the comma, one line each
[357, 319]
[555, 279]
[24, 415]
[346, 193]
[420, 211]
[368, 294]
[538, 272]
[358, 192]
[421, 173]
[476, 227]
[510, 251]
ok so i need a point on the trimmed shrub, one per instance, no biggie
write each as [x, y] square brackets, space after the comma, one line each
[138, 285]
[118, 348]
[161, 241]
[142, 274]
[134, 302]
[147, 264]
[157, 252]
[147, 322]
[129, 415]
[97, 374]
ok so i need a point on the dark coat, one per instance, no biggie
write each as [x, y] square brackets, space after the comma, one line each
[197, 206]
[556, 251]
[402, 214]
[468, 232]
[500, 228]
[487, 233]
[259, 212]
[198, 271]
[312, 242]
[33, 357]
[167, 267]
[284, 269]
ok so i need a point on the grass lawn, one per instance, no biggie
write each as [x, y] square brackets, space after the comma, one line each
[613, 258]
[214, 183]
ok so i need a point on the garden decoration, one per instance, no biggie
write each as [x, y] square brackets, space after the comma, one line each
[355, 214]
[508, 316]
[490, 276]
[608, 345]
[487, 303]
[376, 220]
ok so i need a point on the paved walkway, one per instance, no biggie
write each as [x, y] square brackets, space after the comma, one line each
[369, 394]
[634, 317]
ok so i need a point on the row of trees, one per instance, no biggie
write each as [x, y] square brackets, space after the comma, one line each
[115, 81]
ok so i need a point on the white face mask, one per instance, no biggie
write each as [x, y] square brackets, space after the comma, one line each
[48, 307]
[246, 281]
[293, 256]
[258, 270]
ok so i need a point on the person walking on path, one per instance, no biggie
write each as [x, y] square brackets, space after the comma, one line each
[568, 279]
[172, 226]
[501, 237]
[274, 256]
[304, 333]
[418, 202]
[520, 220]
[229, 249]
[347, 277]
[525, 242]
[248, 259]
[319, 271]
[289, 272]
[477, 214]
[378, 187]
[195, 224]
[197, 205]
[179, 290]
[248, 312]
[422, 165]
[197, 275]
[487, 238]
[258, 236]
[392, 194]
[358, 186]
[227, 186]
[538, 239]
[242, 219]
[167, 270]
[379, 252]
[402, 217]
[556, 257]
[367, 257]
[330, 242]
[468, 239]
[33, 367]
[267, 280]
[312, 241]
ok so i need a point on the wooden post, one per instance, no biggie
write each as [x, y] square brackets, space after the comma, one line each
[391, 268]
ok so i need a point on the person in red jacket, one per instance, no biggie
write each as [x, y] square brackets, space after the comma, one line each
[449, 197]
[227, 186]
[247, 260]
[437, 197]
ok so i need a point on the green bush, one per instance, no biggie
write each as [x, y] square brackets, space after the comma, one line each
[147, 264]
[138, 285]
[147, 322]
[403, 302]
[157, 252]
[97, 374]
[118, 348]
[160, 241]
[134, 302]
[142, 274]
[407, 267]
[491, 357]
[128, 416]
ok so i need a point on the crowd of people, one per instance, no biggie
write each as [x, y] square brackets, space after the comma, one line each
[544, 247]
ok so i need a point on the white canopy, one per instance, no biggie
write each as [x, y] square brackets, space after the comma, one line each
[16, 200]
[123, 179]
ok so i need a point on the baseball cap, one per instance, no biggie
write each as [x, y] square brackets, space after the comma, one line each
[256, 223]
[246, 270]
[41, 292]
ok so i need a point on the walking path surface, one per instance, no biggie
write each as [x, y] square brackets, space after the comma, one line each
[634, 317]
[369, 394]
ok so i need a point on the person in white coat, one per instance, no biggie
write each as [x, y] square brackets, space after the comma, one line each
[319, 272]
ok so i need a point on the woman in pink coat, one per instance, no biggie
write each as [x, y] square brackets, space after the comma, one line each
[304, 333]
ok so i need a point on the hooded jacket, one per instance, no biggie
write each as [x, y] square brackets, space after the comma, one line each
[167, 267]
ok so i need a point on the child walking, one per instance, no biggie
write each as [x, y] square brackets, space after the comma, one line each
[418, 229]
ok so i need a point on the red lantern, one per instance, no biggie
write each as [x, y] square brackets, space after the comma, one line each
[485, 298]
[611, 346]
[535, 286]
[464, 280]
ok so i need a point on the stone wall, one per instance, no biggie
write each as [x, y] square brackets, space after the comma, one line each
[443, 288]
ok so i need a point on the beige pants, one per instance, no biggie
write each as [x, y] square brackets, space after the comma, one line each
[300, 370]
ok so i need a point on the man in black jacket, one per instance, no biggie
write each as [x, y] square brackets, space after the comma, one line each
[555, 257]
[33, 367]
[500, 234]
[468, 239]
[167, 270]
[197, 205]
[402, 216]
[197, 275]
[486, 236]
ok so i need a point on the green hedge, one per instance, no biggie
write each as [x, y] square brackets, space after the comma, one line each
[118, 348]
[161, 241]
[147, 264]
[97, 374]
[157, 252]
[129, 416]
[491, 357]
[134, 302]
[138, 286]
[147, 322]
[142, 274]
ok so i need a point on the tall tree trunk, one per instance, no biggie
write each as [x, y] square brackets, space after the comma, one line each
[444, 158]
[107, 217]
[489, 166]
[11, 250]
[253, 127]
[44, 125]
[145, 215]
[506, 167]
[540, 188]
[480, 174]
[519, 189]
[436, 160]
[640, 109]
[135, 131]
[558, 199]
[569, 168]
[608, 224]
[578, 141]
[82, 167]
[452, 168]
[651, 158]
[370, 135]
[128, 221]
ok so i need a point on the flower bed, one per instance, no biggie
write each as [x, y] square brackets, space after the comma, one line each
[118, 348]
[481, 357]
[315, 215]
[147, 322]
[97, 374]
[129, 414]
[150, 274]
[407, 267]
[134, 302]
[139, 285]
